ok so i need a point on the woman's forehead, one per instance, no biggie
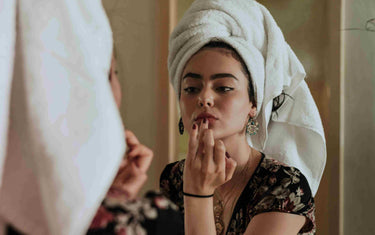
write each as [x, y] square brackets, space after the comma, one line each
[212, 60]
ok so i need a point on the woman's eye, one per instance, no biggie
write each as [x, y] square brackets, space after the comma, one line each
[191, 90]
[224, 89]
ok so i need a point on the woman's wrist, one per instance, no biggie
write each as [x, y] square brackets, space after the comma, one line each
[118, 193]
[194, 190]
[199, 215]
[203, 205]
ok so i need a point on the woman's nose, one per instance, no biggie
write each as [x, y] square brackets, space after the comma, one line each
[205, 100]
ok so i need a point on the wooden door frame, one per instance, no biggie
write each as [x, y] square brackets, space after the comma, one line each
[167, 119]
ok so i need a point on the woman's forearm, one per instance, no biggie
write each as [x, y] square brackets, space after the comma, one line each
[199, 216]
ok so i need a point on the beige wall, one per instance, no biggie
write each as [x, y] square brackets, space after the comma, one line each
[135, 52]
[140, 31]
[358, 110]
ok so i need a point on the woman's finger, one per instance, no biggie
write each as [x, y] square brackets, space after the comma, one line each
[123, 163]
[202, 127]
[141, 156]
[208, 149]
[131, 139]
[193, 143]
[219, 155]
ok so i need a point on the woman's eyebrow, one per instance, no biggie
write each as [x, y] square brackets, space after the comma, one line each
[192, 75]
[213, 77]
[223, 75]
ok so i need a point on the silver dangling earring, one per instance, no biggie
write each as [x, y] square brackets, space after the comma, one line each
[252, 126]
[181, 127]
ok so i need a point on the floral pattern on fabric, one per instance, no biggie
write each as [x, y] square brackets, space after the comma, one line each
[274, 187]
[153, 214]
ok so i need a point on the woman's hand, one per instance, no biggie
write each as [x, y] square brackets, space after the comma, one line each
[133, 170]
[206, 166]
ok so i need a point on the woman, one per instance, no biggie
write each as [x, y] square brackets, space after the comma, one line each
[121, 211]
[231, 68]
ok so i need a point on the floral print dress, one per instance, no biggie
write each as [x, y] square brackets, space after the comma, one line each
[152, 214]
[274, 187]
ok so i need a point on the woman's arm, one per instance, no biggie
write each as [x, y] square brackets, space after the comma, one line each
[199, 216]
[206, 168]
[275, 223]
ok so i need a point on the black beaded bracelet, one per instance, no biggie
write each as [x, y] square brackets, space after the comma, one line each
[195, 195]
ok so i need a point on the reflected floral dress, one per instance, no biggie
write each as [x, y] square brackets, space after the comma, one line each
[153, 214]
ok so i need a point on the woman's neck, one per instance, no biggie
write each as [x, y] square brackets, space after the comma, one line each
[247, 160]
[238, 149]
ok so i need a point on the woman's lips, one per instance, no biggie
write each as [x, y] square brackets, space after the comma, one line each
[210, 121]
[211, 118]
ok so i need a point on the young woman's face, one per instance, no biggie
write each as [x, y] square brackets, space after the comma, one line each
[214, 86]
[115, 84]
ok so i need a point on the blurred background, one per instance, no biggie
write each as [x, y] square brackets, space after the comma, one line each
[335, 41]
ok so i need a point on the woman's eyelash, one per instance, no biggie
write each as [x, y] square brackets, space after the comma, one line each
[190, 89]
[224, 89]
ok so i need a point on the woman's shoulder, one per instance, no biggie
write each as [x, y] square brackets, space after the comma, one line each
[274, 165]
[279, 179]
[283, 188]
[171, 182]
[281, 174]
[173, 170]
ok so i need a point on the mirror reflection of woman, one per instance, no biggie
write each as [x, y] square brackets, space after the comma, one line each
[227, 184]
[122, 211]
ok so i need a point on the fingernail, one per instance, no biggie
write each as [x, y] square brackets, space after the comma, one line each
[205, 120]
[194, 126]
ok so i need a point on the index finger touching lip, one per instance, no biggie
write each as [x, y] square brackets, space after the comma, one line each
[203, 125]
[193, 141]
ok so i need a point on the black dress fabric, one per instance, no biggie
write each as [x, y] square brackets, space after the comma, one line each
[274, 187]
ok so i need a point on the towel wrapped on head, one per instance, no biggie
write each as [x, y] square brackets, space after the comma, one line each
[294, 135]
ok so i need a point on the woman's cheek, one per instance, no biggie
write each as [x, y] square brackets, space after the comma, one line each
[235, 110]
[185, 113]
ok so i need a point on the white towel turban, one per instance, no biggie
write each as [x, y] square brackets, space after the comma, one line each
[295, 134]
[61, 136]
